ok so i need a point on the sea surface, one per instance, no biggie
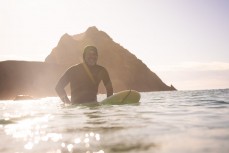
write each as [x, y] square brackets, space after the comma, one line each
[163, 122]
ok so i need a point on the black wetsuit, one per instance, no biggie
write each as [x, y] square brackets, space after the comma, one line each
[84, 85]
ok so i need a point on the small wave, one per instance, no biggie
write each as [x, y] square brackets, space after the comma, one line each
[6, 121]
[133, 147]
[215, 102]
[221, 102]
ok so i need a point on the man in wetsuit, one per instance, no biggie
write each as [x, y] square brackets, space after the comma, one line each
[84, 79]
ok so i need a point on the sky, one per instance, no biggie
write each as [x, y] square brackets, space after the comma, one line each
[185, 42]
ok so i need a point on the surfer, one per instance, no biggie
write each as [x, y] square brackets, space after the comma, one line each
[84, 79]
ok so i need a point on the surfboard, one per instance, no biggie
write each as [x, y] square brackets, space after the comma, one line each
[122, 97]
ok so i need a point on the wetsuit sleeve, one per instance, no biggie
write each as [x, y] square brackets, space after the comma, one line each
[62, 83]
[107, 83]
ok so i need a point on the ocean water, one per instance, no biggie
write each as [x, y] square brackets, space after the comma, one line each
[164, 122]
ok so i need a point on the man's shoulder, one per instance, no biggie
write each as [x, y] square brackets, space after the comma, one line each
[100, 67]
[75, 67]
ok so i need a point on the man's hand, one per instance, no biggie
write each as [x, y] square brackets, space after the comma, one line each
[65, 99]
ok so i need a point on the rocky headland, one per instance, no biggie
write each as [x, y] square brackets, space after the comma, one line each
[38, 79]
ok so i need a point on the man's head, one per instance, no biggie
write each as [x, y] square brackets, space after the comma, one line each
[90, 55]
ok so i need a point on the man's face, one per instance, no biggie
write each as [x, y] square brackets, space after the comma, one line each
[91, 57]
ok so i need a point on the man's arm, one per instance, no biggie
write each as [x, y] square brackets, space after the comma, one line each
[109, 89]
[107, 83]
[60, 89]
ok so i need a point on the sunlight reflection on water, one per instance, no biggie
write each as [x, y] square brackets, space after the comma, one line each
[35, 129]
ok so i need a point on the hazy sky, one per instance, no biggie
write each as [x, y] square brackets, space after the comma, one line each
[185, 42]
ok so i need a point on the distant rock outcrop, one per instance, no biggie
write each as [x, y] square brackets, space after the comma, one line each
[38, 79]
[126, 70]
